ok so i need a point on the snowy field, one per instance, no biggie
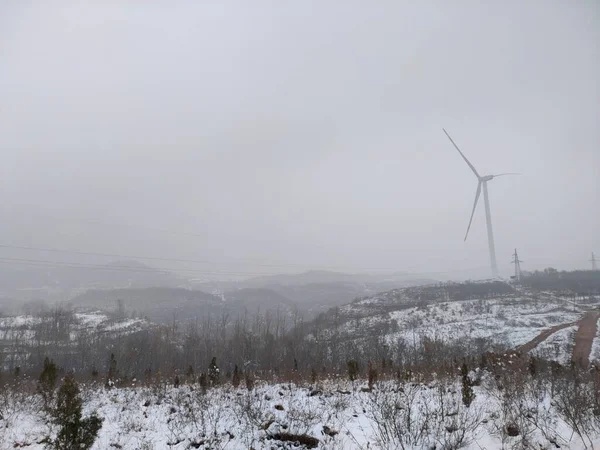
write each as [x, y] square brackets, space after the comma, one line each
[331, 415]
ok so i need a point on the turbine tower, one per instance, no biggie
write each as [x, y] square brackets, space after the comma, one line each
[482, 184]
[593, 261]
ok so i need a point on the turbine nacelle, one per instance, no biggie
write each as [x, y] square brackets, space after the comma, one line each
[491, 177]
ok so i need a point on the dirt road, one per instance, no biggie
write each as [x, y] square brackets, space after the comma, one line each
[543, 336]
[584, 338]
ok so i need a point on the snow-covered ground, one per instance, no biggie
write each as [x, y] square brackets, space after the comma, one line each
[336, 413]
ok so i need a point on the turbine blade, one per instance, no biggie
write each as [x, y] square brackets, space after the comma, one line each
[508, 173]
[477, 194]
[461, 154]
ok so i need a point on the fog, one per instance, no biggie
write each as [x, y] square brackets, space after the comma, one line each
[280, 136]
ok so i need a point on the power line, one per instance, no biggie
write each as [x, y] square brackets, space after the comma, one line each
[194, 261]
[238, 261]
[116, 268]
[165, 271]
[117, 255]
[105, 223]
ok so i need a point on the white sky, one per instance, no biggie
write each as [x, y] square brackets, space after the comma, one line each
[302, 133]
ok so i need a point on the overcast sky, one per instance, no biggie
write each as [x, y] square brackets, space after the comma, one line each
[305, 133]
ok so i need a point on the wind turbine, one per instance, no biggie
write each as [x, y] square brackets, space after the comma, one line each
[482, 183]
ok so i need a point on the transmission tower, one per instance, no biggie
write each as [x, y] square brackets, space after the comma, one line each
[517, 262]
[594, 262]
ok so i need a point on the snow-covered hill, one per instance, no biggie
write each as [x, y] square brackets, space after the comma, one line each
[55, 332]
[486, 315]
[30, 327]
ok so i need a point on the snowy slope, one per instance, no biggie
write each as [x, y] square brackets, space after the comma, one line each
[508, 321]
[337, 415]
[493, 316]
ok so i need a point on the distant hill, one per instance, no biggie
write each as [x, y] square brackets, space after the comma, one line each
[309, 277]
[314, 298]
[159, 295]
[259, 299]
[61, 282]
[159, 304]
[315, 291]
[162, 305]
[327, 276]
[118, 274]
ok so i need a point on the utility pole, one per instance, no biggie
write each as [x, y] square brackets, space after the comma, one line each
[517, 262]
[593, 261]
